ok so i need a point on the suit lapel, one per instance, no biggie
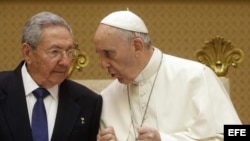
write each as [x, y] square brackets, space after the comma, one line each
[15, 107]
[67, 114]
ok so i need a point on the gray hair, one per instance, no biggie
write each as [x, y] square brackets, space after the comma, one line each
[32, 30]
[129, 35]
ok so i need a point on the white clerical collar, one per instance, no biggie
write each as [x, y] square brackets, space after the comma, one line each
[30, 84]
[151, 67]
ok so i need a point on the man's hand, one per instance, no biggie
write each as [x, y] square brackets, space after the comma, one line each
[148, 134]
[108, 134]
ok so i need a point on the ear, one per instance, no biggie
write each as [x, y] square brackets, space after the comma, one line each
[138, 45]
[27, 52]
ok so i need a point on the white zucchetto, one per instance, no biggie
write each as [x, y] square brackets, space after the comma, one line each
[125, 20]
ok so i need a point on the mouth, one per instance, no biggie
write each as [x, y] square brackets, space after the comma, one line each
[112, 74]
[61, 72]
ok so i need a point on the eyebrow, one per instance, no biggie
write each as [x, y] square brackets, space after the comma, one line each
[59, 47]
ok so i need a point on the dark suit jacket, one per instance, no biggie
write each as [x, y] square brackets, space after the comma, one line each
[75, 102]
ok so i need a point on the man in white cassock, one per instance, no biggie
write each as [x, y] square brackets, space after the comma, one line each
[156, 96]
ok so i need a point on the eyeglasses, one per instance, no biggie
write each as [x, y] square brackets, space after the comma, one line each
[58, 53]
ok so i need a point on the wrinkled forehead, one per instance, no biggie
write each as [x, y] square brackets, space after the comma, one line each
[104, 32]
[107, 38]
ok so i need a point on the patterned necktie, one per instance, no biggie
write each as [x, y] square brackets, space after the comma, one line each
[39, 123]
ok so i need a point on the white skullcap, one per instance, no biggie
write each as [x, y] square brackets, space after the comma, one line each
[125, 20]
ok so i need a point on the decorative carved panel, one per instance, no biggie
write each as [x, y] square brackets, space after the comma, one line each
[81, 61]
[219, 55]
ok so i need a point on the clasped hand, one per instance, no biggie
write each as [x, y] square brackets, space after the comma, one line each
[145, 134]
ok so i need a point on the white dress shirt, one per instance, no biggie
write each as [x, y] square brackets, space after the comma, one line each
[50, 102]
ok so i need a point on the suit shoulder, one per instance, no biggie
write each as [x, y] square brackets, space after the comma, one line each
[5, 76]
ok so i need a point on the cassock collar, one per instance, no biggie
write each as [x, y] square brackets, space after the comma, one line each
[151, 67]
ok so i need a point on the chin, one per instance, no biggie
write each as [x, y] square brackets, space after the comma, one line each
[59, 78]
[58, 81]
[123, 81]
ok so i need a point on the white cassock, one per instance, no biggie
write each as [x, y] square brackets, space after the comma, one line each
[188, 102]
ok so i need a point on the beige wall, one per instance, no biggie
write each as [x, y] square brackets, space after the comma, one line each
[177, 27]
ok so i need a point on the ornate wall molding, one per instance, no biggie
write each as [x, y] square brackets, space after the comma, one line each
[219, 55]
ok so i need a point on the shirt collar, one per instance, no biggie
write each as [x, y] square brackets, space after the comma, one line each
[30, 85]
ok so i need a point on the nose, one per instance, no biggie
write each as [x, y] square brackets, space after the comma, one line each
[65, 59]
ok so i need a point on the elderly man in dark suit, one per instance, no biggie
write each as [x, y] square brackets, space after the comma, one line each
[66, 111]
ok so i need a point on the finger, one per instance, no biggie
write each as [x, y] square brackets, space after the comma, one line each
[147, 133]
[143, 130]
[108, 130]
[107, 137]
